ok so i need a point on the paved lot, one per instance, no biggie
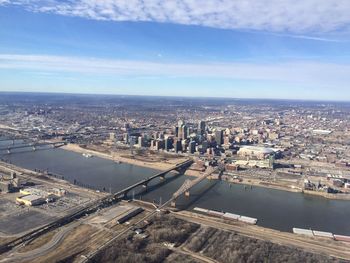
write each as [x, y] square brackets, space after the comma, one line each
[23, 221]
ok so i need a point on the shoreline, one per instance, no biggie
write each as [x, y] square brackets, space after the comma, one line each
[44, 178]
[117, 157]
[344, 197]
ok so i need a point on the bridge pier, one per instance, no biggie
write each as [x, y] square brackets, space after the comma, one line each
[182, 170]
[173, 203]
[162, 177]
[8, 151]
[34, 148]
[187, 193]
[125, 195]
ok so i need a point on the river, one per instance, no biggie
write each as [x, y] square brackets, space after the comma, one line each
[274, 209]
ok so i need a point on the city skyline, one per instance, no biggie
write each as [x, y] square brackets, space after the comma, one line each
[118, 48]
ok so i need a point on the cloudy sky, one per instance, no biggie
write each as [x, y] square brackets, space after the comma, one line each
[297, 49]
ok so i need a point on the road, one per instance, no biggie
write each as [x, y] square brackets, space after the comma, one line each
[52, 244]
[186, 252]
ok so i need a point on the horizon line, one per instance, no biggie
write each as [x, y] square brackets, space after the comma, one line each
[173, 96]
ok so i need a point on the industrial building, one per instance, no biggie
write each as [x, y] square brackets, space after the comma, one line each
[132, 213]
[9, 183]
[30, 200]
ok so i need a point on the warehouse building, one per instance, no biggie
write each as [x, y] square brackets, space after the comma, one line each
[30, 200]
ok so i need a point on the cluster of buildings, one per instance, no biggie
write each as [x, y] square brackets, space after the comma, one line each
[9, 183]
[335, 184]
[36, 196]
[29, 196]
[198, 139]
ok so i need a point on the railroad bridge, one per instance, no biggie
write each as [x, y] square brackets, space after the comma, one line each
[33, 146]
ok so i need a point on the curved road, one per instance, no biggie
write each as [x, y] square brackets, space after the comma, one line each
[53, 243]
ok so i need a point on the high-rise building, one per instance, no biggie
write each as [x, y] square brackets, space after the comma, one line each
[159, 144]
[192, 147]
[180, 123]
[205, 145]
[112, 136]
[219, 137]
[184, 131]
[168, 143]
[227, 140]
[126, 137]
[176, 131]
[180, 132]
[153, 144]
[201, 127]
[133, 140]
[184, 145]
[142, 142]
[178, 146]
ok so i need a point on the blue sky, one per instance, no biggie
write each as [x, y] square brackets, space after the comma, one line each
[297, 49]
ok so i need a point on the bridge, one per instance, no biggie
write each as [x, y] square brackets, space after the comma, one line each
[188, 184]
[181, 168]
[11, 139]
[34, 146]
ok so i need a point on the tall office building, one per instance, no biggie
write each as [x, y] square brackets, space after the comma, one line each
[159, 144]
[184, 132]
[140, 141]
[180, 132]
[168, 143]
[201, 127]
[126, 137]
[219, 137]
[176, 131]
[178, 146]
[192, 147]
[112, 136]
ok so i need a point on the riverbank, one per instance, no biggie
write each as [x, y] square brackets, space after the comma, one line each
[328, 195]
[269, 185]
[121, 157]
[259, 183]
[43, 178]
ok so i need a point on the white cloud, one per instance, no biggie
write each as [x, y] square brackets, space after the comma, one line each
[293, 16]
[305, 73]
